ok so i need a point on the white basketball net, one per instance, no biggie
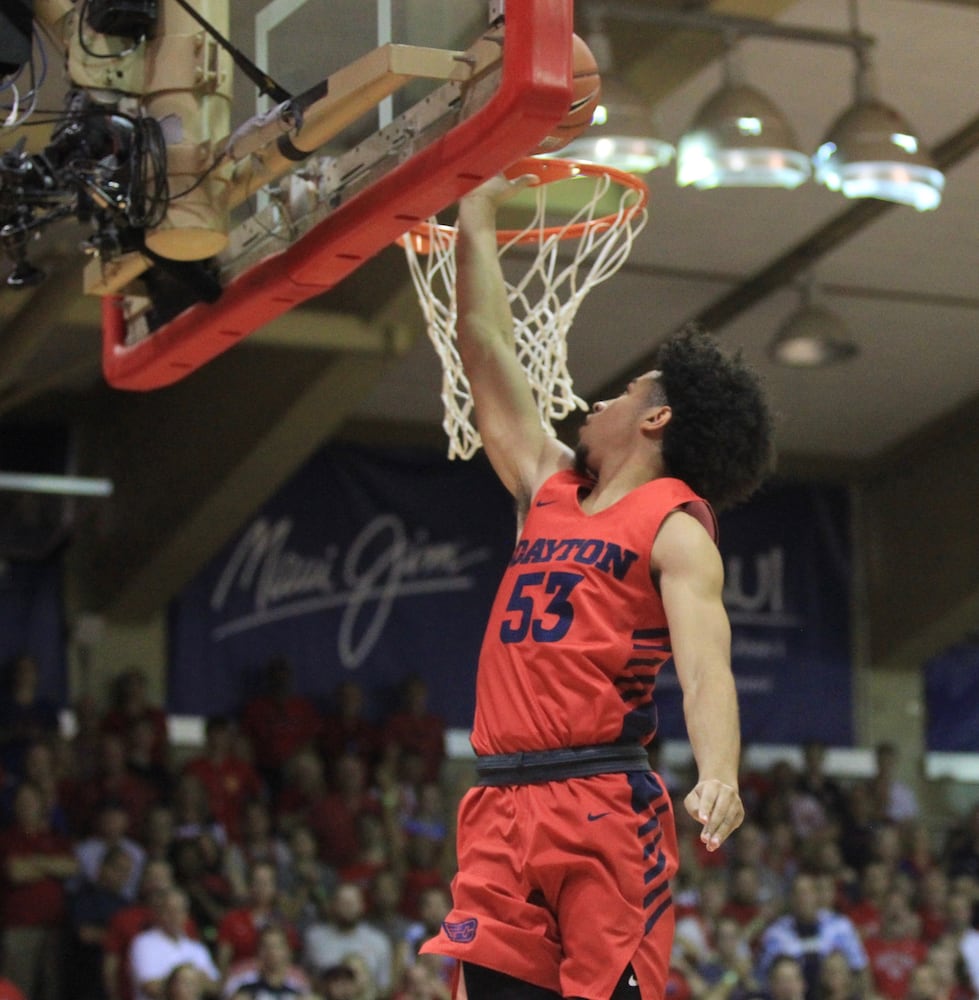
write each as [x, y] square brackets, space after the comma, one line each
[544, 302]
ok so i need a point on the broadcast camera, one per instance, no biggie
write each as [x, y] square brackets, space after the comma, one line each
[106, 162]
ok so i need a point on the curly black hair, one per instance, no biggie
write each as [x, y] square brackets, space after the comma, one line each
[719, 438]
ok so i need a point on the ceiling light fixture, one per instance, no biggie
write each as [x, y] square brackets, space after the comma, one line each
[623, 132]
[740, 138]
[872, 152]
[811, 337]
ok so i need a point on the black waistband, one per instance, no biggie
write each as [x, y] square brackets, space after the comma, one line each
[534, 766]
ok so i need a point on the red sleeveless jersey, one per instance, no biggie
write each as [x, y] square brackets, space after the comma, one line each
[577, 632]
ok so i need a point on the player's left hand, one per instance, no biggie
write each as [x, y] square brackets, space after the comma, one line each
[718, 808]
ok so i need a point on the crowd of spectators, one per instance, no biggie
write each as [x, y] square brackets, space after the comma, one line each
[306, 851]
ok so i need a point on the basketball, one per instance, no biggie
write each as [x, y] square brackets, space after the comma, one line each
[585, 94]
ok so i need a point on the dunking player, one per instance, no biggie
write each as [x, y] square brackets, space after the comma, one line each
[567, 845]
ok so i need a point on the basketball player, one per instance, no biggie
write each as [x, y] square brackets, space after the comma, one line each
[567, 844]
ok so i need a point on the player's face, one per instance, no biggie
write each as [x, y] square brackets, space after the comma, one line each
[612, 423]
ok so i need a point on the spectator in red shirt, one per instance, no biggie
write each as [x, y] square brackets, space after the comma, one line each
[239, 932]
[425, 868]
[35, 863]
[304, 784]
[131, 705]
[333, 817]
[865, 913]
[279, 723]
[745, 905]
[228, 780]
[413, 727]
[113, 780]
[932, 896]
[374, 852]
[896, 948]
[346, 729]
[40, 769]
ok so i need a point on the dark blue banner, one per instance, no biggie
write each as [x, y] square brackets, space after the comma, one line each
[367, 565]
[787, 592]
[952, 700]
[32, 622]
[377, 565]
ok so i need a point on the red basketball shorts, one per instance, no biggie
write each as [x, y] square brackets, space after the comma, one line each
[564, 883]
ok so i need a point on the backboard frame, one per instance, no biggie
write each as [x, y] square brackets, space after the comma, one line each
[532, 96]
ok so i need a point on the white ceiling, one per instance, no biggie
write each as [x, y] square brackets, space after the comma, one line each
[904, 285]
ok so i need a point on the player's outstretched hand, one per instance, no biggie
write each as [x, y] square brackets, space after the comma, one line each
[719, 810]
[499, 189]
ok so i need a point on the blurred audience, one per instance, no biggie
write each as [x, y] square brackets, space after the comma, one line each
[300, 855]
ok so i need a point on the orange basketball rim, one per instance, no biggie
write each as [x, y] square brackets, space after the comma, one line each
[549, 170]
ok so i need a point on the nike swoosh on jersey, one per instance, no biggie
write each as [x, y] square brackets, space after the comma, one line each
[544, 503]
[593, 816]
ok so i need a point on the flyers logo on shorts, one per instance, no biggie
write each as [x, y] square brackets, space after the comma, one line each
[463, 932]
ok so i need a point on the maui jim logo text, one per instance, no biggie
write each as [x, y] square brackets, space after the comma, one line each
[381, 564]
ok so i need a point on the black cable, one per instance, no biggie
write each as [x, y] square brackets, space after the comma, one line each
[83, 10]
[147, 160]
[200, 180]
[266, 85]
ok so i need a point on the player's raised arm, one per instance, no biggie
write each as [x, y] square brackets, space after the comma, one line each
[520, 450]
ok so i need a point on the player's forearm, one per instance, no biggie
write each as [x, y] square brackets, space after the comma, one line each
[710, 708]
[484, 319]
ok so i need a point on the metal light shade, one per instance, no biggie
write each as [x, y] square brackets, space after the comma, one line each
[739, 138]
[872, 152]
[622, 133]
[812, 337]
